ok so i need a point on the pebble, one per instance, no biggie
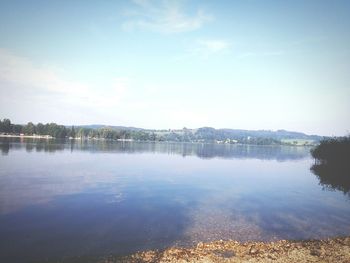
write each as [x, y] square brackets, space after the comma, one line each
[200, 245]
[253, 251]
[315, 252]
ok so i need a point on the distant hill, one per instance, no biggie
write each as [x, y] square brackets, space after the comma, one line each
[211, 134]
[279, 134]
[256, 136]
[99, 126]
[203, 134]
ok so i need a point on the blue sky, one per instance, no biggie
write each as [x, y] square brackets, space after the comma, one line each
[173, 64]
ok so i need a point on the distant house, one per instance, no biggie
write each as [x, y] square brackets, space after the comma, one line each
[125, 140]
[230, 141]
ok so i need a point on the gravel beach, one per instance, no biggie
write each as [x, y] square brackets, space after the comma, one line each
[327, 250]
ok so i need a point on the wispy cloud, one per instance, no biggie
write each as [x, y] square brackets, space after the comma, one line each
[204, 49]
[22, 80]
[311, 40]
[164, 17]
[212, 46]
[262, 54]
[284, 48]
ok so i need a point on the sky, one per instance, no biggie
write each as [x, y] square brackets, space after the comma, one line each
[172, 64]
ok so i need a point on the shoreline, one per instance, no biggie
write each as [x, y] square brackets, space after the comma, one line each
[27, 136]
[132, 140]
[282, 251]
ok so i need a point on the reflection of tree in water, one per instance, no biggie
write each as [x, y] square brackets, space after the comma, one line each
[201, 150]
[332, 165]
[46, 145]
[333, 177]
[39, 145]
[5, 148]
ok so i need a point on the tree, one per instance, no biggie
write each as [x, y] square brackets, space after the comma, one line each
[6, 126]
[40, 129]
[29, 128]
[72, 132]
[17, 128]
[153, 136]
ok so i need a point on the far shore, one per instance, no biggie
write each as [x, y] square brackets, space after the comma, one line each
[27, 136]
[132, 140]
[51, 137]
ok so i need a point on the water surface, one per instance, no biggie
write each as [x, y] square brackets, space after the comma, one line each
[71, 199]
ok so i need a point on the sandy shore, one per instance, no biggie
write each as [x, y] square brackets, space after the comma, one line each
[328, 250]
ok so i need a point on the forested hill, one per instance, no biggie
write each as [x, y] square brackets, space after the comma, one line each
[279, 134]
[100, 126]
[204, 134]
[207, 131]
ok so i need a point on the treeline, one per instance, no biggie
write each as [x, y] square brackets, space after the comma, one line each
[61, 131]
[205, 134]
[51, 129]
[234, 136]
[333, 151]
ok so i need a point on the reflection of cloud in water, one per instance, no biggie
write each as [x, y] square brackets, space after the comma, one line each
[22, 190]
[138, 193]
[40, 177]
[204, 151]
[308, 227]
[117, 198]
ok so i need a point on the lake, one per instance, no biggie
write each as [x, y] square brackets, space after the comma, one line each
[61, 200]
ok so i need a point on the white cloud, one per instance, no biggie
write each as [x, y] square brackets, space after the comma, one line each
[165, 17]
[23, 82]
[205, 48]
[213, 46]
[262, 54]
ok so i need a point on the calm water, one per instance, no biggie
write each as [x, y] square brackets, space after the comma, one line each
[61, 200]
